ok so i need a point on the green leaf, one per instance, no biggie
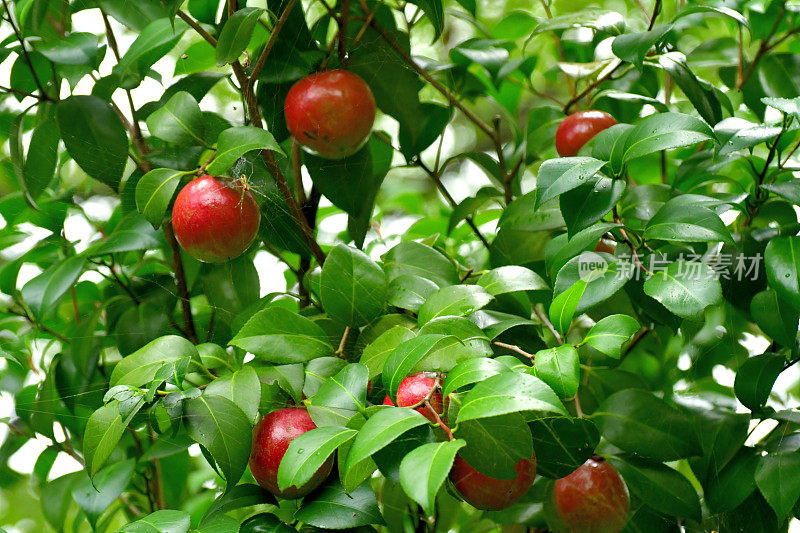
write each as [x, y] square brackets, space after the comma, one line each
[468, 206]
[583, 206]
[562, 444]
[677, 222]
[778, 479]
[236, 35]
[685, 288]
[152, 43]
[464, 341]
[665, 131]
[243, 495]
[380, 429]
[104, 429]
[434, 10]
[564, 306]
[141, 366]
[416, 259]
[433, 121]
[233, 143]
[154, 192]
[633, 47]
[782, 260]
[94, 137]
[333, 508]
[40, 165]
[508, 438]
[511, 278]
[559, 368]
[603, 273]
[94, 496]
[352, 286]
[222, 428]
[755, 379]
[410, 292]
[471, 371]
[456, 300]
[277, 335]
[375, 354]
[639, 422]
[242, 387]
[178, 121]
[405, 357]
[790, 190]
[664, 489]
[610, 333]
[787, 106]
[132, 233]
[720, 10]
[77, 48]
[423, 471]
[701, 94]
[163, 521]
[557, 176]
[509, 392]
[775, 318]
[44, 292]
[340, 397]
[308, 452]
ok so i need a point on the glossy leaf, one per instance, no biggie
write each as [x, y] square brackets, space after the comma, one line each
[431, 463]
[352, 287]
[508, 392]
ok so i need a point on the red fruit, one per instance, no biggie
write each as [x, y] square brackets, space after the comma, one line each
[592, 499]
[488, 493]
[413, 390]
[215, 219]
[578, 129]
[271, 437]
[604, 246]
[330, 112]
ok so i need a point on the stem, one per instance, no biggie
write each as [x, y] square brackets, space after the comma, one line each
[425, 75]
[273, 37]
[578, 409]
[763, 48]
[342, 342]
[33, 322]
[198, 28]
[574, 100]
[298, 174]
[515, 348]
[439, 420]
[343, 19]
[549, 325]
[180, 278]
[438, 181]
[25, 52]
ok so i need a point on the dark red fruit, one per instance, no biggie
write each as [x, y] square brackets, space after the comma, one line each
[330, 112]
[413, 390]
[592, 499]
[215, 219]
[488, 493]
[604, 246]
[578, 129]
[271, 437]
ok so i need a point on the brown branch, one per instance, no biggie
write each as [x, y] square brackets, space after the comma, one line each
[343, 19]
[38, 325]
[437, 180]
[439, 420]
[575, 99]
[763, 48]
[180, 279]
[273, 37]
[25, 52]
[22, 93]
[198, 28]
[549, 325]
[426, 76]
[516, 349]
[342, 342]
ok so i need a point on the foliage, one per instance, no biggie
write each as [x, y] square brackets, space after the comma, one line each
[150, 368]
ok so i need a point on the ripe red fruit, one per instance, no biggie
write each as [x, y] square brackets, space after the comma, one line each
[271, 437]
[330, 112]
[488, 493]
[578, 129]
[592, 499]
[413, 390]
[215, 219]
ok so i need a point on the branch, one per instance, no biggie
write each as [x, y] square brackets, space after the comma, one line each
[426, 76]
[273, 37]
[515, 348]
[25, 52]
[549, 325]
[437, 180]
[198, 28]
[180, 279]
[343, 18]
[763, 48]
[575, 99]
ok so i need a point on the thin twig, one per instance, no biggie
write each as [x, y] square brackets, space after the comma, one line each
[343, 19]
[273, 37]
[515, 348]
[25, 52]
[180, 279]
[198, 28]
[549, 325]
[343, 341]
[763, 48]
[438, 420]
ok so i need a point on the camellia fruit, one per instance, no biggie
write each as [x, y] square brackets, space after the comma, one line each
[271, 438]
[578, 129]
[331, 113]
[592, 499]
[413, 390]
[215, 219]
[488, 493]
